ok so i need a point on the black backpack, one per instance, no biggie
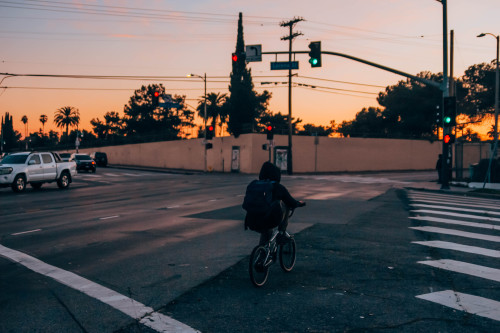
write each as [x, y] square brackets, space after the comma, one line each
[259, 197]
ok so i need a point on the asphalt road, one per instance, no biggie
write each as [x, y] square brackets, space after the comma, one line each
[140, 251]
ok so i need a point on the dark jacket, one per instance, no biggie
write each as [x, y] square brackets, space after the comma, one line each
[271, 172]
[280, 194]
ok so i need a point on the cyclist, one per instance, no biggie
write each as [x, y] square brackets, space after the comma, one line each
[283, 202]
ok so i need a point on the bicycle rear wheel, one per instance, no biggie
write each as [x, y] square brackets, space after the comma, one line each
[258, 271]
[287, 254]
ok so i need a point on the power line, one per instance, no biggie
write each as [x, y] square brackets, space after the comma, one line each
[346, 82]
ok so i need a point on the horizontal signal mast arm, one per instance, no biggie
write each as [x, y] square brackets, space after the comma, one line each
[392, 70]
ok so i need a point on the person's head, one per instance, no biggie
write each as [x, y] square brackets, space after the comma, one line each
[270, 171]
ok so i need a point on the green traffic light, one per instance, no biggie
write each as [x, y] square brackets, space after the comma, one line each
[447, 120]
[313, 61]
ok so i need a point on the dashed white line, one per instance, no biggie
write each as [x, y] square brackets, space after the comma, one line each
[146, 315]
[109, 217]
[25, 232]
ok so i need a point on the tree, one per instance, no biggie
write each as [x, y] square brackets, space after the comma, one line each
[24, 119]
[244, 105]
[313, 130]
[279, 122]
[216, 108]
[67, 116]
[368, 123]
[8, 137]
[143, 119]
[43, 120]
[111, 126]
[410, 107]
[479, 82]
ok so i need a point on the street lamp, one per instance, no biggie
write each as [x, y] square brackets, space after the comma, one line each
[497, 80]
[204, 78]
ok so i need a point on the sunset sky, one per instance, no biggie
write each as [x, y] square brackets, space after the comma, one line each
[174, 38]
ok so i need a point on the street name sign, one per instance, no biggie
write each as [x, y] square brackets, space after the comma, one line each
[279, 65]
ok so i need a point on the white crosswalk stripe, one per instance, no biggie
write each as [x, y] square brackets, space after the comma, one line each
[454, 214]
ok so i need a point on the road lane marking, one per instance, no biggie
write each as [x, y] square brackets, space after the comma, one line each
[458, 233]
[456, 222]
[455, 198]
[25, 232]
[480, 306]
[465, 268]
[138, 311]
[109, 217]
[455, 203]
[466, 216]
[461, 248]
[468, 210]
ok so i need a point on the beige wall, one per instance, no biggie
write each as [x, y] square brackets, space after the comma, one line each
[328, 155]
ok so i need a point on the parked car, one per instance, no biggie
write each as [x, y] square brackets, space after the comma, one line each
[36, 168]
[84, 162]
[65, 157]
[100, 158]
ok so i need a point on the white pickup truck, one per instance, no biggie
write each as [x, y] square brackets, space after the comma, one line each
[35, 168]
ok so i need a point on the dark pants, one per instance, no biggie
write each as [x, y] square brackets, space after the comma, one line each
[281, 214]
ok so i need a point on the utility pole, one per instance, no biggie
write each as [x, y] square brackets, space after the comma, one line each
[290, 38]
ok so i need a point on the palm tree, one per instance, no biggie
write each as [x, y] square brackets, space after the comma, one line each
[43, 120]
[67, 116]
[215, 108]
[24, 119]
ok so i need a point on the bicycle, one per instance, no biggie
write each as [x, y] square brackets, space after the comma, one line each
[263, 256]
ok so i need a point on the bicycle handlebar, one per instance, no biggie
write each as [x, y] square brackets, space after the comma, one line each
[301, 204]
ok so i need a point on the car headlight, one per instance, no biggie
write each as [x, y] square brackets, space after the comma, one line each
[5, 171]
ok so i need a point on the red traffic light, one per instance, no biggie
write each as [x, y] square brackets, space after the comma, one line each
[269, 128]
[156, 94]
[234, 57]
[449, 138]
[210, 128]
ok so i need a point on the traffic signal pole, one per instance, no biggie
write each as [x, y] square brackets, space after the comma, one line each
[446, 165]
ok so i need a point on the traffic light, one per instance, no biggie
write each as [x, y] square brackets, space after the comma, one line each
[210, 132]
[270, 132]
[450, 111]
[236, 57]
[449, 138]
[155, 98]
[315, 54]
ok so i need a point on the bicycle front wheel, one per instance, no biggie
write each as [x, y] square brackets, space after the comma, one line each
[287, 254]
[257, 269]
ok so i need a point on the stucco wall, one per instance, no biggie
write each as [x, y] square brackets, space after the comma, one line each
[310, 154]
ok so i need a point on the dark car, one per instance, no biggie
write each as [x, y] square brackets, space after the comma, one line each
[65, 156]
[100, 158]
[84, 162]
